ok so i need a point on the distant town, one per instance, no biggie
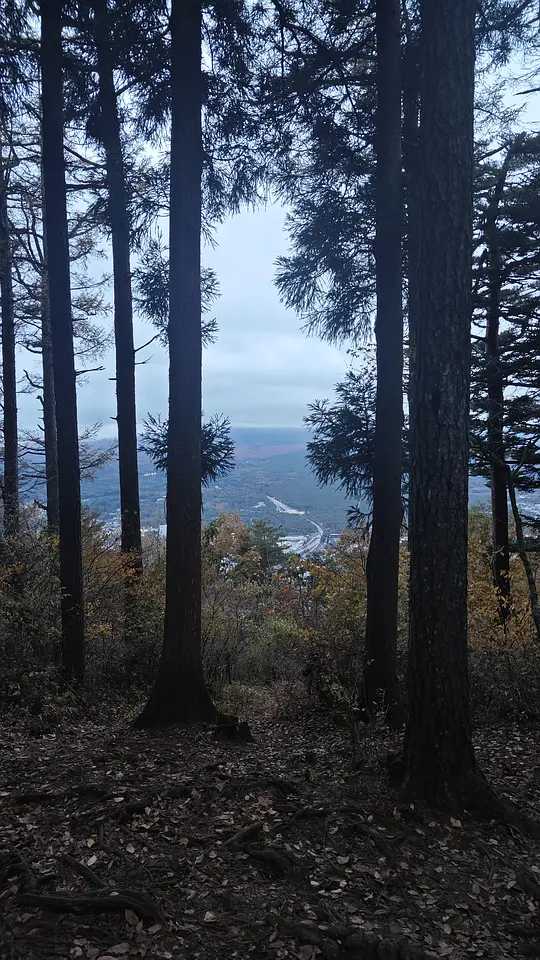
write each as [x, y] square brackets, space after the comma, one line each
[272, 481]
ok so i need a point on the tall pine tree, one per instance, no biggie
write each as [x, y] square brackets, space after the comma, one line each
[439, 756]
[59, 294]
[10, 485]
[179, 693]
[108, 130]
[380, 680]
[505, 375]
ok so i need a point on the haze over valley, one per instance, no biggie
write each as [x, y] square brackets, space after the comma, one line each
[271, 481]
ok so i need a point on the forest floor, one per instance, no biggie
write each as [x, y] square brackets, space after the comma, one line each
[330, 864]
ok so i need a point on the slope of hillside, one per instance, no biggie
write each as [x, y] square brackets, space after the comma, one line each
[271, 481]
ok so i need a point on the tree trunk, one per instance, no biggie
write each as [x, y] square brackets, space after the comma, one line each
[411, 133]
[410, 149]
[522, 553]
[58, 280]
[180, 694]
[109, 129]
[495, 393]
[9, 372]
[49, 417]
[380, 681]
[439, 756]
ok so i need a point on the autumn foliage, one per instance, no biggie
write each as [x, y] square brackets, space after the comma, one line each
[279, 632]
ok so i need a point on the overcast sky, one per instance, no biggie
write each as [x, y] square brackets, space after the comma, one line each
[262, 370]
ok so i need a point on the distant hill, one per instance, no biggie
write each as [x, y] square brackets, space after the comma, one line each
[261, 443]
[272, 481]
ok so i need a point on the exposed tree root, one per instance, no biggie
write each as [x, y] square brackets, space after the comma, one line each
[348, 943]
[470, 792]
[245, 834]
[278, 862]
[310, 813]
[480, 799]
[163, 719]
[385, 846]
[87, 790]
[528, 884]
[524, 932]
[369, 947]
[114, 902]
[37, 796]
[531, 949]
[174, 703]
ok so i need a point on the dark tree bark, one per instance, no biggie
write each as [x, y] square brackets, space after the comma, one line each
[9, 371]
[439, 756]
[180, 694]
[109, 132]
[58, 281]
[380, 681]
[49, 417]
[411, 133]
[495, 392]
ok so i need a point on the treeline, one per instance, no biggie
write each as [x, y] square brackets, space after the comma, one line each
[413, 215]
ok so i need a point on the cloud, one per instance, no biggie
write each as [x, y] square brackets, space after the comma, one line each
[262, 370]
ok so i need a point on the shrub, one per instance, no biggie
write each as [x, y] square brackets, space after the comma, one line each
[291, 632]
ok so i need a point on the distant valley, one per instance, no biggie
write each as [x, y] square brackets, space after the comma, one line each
[272, 481]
